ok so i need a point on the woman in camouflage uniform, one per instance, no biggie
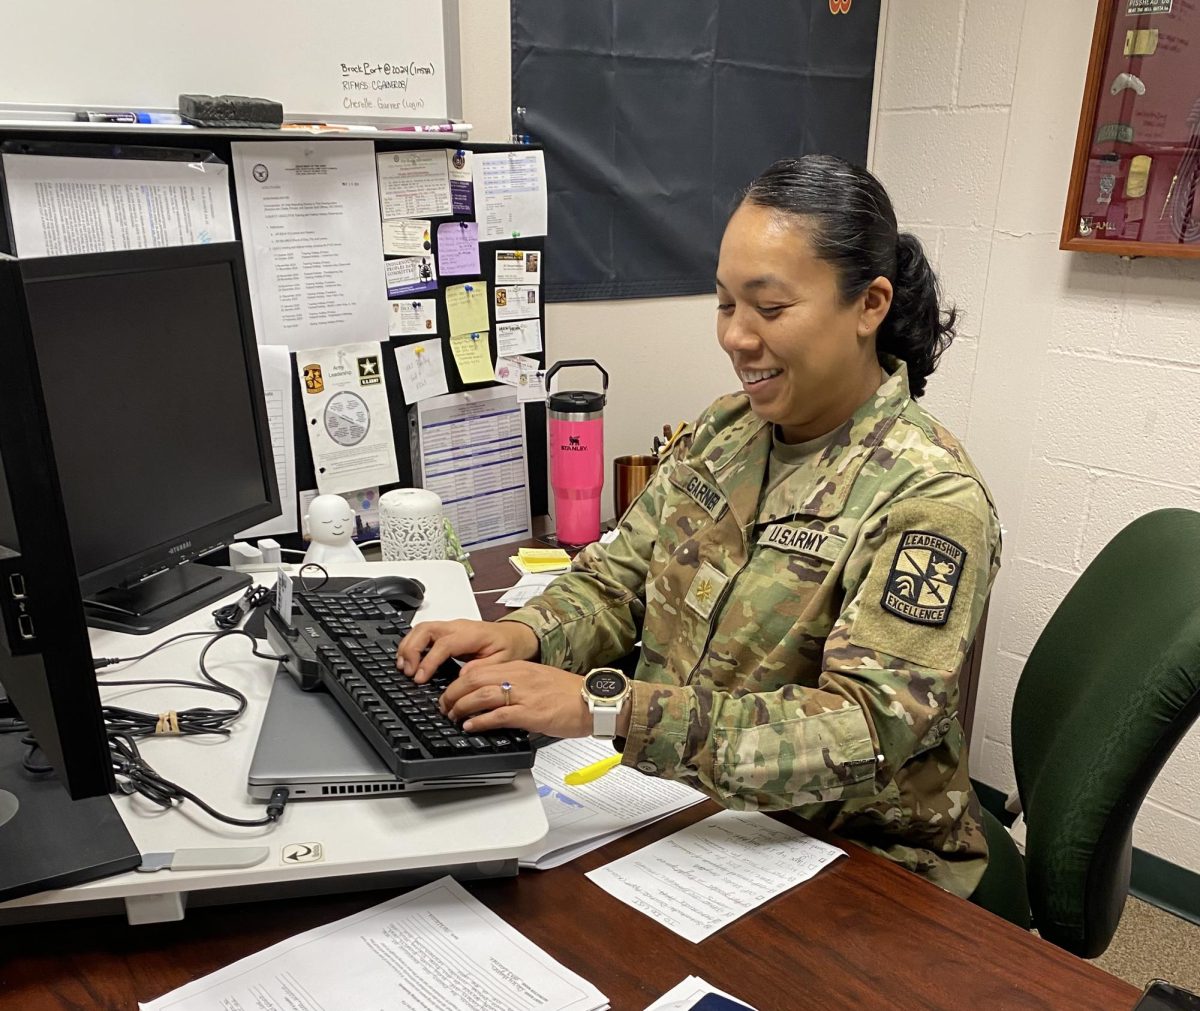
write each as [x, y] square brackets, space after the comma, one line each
[807, 567]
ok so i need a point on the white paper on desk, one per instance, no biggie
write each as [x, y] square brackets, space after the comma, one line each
[510, 194]
[707, 875]
[414, 184]
[684, 995]
[526, 588]
[435, 947]
[348, 418]
[276, 363]
[471, 451]
[62, 205]
[422, 372]
[585, 817]
[314, 253]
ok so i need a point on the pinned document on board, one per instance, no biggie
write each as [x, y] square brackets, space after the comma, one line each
[458, 248]
[63, 205]
[467, 307]
[349, 423]
[314, 252]
[409, 317]
[518, 302]
[473, 357]
[523, 337]
[469, 448]
[524, 373]
[410, 275]
[414, 184]
[518, 266]
[510, 195]
[407, 237]
[422, 373]
[462, 199]
[278, 381]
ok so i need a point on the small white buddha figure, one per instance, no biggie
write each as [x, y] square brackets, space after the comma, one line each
[330, 525]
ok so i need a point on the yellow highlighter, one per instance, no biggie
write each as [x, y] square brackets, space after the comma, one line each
[592, 772]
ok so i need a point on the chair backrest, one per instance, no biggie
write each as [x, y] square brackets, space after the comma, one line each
[1110, 688]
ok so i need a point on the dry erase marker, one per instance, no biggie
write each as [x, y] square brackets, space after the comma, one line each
[592, 772]
[105, 117]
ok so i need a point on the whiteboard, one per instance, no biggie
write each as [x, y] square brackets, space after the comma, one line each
[324, 60]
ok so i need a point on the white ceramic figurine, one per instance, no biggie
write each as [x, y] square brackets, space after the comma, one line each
[330, 524]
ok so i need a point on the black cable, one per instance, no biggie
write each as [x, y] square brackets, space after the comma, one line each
[231, 615]
[312, 565]
[135, 775]
[107, 661]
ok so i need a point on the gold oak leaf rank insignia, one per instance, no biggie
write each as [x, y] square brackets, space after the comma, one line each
[925, 573]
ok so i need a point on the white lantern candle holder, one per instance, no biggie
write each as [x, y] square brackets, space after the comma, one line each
[411, 525]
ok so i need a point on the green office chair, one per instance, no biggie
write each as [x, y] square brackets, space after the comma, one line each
[1111, 687]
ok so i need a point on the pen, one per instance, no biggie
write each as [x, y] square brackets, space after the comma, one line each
[168, 118]
[592, 772]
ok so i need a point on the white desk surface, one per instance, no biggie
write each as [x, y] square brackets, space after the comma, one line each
[357, 836]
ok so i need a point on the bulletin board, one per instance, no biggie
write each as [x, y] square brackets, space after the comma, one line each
[1135, 179]
[219, 148]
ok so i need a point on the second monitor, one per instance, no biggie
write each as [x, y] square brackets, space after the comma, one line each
[150, 370]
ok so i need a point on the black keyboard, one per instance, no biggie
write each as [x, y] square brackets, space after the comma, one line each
[347, 644]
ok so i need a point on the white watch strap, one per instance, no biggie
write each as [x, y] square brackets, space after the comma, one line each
[604, 720]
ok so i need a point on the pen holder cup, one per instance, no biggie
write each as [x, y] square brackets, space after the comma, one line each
[411, 525]
[630, 475]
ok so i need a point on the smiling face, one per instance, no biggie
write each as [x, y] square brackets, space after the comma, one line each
[804, 355]
[330, 519]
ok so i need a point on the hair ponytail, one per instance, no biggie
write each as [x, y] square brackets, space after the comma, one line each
[851, 225]
[916, 329]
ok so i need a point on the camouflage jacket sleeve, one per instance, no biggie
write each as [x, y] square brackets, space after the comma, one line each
[592, 615]
[887, 690]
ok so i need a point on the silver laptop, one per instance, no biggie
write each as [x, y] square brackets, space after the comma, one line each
[310, 746]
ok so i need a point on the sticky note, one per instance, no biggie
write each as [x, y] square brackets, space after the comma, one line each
[458, 248]
[472, 356]
[467, 307]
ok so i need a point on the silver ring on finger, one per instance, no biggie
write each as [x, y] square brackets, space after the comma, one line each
[506, 687]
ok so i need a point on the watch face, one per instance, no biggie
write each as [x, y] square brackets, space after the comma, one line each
[605, 685]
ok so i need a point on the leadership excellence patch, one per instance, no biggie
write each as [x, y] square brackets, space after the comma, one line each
[925, 573]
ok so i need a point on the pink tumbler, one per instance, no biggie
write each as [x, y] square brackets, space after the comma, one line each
[576, 445]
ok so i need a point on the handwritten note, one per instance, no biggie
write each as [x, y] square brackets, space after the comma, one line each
[472, 357]
[467, 307]
[458, 247]
[422, 374]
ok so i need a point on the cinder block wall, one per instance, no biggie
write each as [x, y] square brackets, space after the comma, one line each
[1076, 381]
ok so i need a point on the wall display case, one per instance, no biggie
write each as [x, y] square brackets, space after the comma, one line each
[1135, 180]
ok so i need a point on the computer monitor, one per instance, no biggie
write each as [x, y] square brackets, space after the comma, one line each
[150, 374]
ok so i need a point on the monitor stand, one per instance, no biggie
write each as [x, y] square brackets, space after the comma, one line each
[155, 602]
[48, 839]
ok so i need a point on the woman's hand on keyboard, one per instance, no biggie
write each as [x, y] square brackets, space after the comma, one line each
[492, 641]
[527, 696]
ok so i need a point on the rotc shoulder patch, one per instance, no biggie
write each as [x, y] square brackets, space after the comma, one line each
[924, 575]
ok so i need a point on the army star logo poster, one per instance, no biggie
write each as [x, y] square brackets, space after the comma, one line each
[925, 573]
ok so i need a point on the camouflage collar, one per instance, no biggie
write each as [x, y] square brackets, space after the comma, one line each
[737, 456]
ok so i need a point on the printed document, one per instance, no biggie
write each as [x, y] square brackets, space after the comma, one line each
[585, 817]
[471, 451]
[685, 995]
[435, 947]
[349, 422]
[414, 184]
[711, 873]
[314, 249]
[64, 205]
[276, 364]
[510, 195]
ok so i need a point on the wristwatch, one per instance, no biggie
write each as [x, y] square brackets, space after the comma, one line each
[604, 689]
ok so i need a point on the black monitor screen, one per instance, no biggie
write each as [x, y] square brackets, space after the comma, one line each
[150, 405]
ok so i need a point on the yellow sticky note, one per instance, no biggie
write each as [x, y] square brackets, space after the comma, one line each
[472, 357]
[467, 307]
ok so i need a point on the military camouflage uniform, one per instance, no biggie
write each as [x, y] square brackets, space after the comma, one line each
[803, 659]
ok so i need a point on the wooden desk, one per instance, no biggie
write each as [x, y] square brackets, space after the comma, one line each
[863, 934]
